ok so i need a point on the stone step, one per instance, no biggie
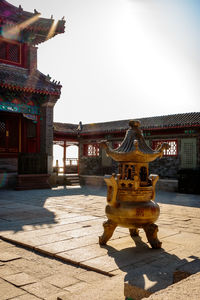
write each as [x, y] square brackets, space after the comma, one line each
[72, 179]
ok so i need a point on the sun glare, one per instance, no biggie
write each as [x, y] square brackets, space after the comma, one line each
[13, 32]
[52, 30]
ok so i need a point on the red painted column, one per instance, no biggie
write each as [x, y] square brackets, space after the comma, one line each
[38, 134]
[78, 158]
[64, 156]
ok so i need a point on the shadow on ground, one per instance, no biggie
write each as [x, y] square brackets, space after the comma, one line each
[20, 208]
[149, 269]
[189, 200]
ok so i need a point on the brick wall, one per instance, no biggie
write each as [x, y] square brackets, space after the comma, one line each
[166, 167]
[8, 165]
[94, 165]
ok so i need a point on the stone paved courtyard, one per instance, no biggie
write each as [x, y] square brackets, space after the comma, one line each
[62, 259]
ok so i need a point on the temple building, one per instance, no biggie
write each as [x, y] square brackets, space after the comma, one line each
[180, 131]
[27, 97]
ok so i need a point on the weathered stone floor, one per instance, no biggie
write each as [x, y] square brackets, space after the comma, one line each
[61, 228]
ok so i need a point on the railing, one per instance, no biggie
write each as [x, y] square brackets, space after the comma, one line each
[72, 162]
[71, 166]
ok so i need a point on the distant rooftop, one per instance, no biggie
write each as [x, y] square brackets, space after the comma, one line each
[150, 123]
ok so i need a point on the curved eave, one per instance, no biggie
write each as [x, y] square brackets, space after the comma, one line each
[29, 89]
[12, 16]
[65, 136]
[143, 128]
[135, 156]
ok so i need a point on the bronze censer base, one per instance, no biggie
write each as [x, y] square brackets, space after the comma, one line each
[131, 193]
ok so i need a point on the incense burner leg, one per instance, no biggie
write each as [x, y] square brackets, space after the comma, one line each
[134, 232]
[109, 227]
[151, 233]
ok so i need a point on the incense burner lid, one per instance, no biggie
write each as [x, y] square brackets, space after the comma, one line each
[134, 148]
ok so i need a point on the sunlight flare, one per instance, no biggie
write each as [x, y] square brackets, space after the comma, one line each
[52, 30]
[13, 32]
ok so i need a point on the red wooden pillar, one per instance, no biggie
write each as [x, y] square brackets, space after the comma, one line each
[38, 135]
[64, 157]
[78, 158]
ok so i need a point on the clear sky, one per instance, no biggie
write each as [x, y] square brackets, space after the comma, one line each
[122, 59]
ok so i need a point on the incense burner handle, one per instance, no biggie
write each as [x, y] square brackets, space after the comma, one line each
[153, 178]
[112, 189]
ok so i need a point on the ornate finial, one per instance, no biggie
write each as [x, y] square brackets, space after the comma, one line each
[63, 18]
[48, 77]
[80, 126]
[134, 123]
[36, 12]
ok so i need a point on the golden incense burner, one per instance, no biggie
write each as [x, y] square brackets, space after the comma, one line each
[131, 193]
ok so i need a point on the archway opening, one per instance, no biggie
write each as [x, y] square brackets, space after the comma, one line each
[65, 158]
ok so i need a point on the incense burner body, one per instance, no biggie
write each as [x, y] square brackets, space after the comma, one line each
[131, 192]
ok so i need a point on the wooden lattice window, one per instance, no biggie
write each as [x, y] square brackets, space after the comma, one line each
[188, 153]
[2, 135]
[116, 145]
[10, 52]
[172, 151]
[91, 150]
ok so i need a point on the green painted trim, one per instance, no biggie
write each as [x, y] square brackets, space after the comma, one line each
[19, 108]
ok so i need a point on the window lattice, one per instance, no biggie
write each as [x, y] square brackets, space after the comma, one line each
[2, 127]
[2, 50]
[13, 53]
[172, 151]
[10, 52]
[2, 136]
[188, 147]
[116, 145]
[91, 150]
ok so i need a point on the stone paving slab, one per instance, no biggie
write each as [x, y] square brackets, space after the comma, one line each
[66, 223]
[43, 290]
[8, 291]
[6, 256]
[20, 279]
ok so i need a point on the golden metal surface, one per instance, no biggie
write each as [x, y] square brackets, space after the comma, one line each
[131, 193]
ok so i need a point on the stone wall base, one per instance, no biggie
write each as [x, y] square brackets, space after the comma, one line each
[169, 185]
[32, 181]
[92, 180]
[8, 180]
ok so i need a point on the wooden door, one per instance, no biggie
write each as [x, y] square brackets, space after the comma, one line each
[9, 133]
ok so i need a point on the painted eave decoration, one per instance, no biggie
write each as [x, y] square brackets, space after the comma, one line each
[38, 29]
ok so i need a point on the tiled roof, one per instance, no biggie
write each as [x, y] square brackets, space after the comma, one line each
[159, 122]
[65, 128]
[13, 77]
[12, 15]
[168, 121]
